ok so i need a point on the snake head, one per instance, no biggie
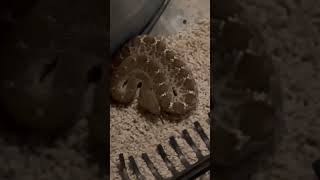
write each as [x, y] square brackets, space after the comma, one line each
[149, 101]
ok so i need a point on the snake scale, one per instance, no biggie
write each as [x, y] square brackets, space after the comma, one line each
[165, 83]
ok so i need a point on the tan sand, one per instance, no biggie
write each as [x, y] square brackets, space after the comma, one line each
[133, 133]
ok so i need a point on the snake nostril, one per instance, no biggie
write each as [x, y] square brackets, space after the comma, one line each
[125, 83]
[139, 85]
[174, 92]
[48, 69]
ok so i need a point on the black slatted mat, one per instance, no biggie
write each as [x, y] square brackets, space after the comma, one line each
[191, 171]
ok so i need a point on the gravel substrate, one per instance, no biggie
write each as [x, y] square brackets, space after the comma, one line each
[133, 133]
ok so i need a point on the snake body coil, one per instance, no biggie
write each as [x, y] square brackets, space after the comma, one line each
[166, 84]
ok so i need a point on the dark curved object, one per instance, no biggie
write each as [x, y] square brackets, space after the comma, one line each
[191, 171]
[316, 167]
[129, 18]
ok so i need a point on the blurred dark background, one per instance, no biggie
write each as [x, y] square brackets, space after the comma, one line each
[288, 33]
[53, 89]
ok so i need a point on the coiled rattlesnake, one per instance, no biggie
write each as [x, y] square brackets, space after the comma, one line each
[167, 86]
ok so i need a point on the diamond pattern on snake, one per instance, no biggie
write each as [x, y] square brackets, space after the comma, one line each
[165, 83]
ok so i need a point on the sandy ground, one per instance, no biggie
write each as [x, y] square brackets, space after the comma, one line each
[133, 133]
